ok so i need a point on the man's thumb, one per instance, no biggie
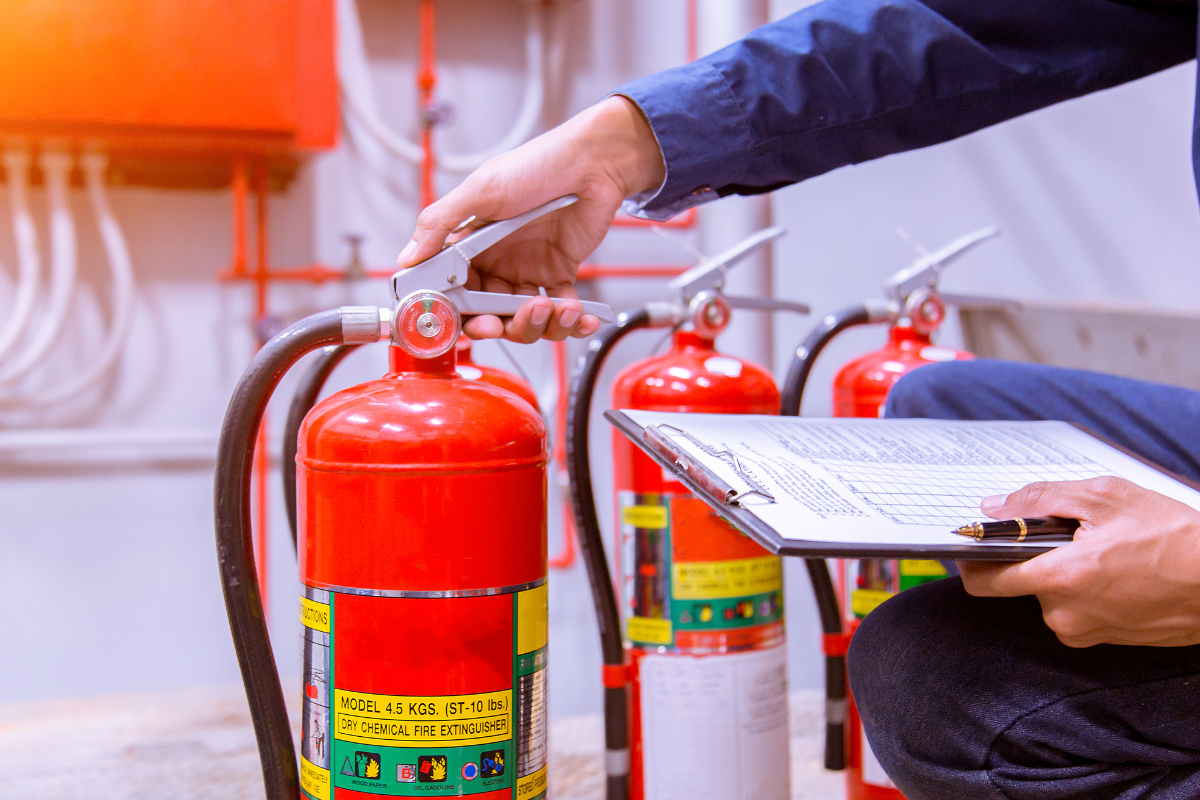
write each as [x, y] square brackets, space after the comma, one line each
[436, 222]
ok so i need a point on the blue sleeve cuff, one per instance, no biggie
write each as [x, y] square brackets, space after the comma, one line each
[701, 130]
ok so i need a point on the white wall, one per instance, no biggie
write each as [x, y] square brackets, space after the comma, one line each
[112, 569]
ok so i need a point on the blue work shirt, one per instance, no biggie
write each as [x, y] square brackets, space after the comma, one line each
[846, 81]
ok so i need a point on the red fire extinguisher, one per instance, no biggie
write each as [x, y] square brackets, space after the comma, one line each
[701, 604]
[913, 310]
[422, 552]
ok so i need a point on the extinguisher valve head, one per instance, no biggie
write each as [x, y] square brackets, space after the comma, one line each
[925, 309]
[709, 314]
[426, 324]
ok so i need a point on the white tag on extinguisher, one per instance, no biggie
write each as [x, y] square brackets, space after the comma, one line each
[715, 727]
[872, 771]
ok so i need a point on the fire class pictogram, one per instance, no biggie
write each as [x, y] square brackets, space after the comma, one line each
[431, 769]
[491, 763]
[367, 765]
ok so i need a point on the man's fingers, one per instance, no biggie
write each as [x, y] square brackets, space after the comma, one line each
[566, 317]
[1003, 579]
[484, 326]
[529, 323]
[1091, 500]
[583, 326]
[588, 325]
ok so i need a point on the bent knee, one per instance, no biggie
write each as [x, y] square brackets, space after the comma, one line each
[933, 391]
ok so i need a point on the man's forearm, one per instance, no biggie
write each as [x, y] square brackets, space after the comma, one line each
[846, 81]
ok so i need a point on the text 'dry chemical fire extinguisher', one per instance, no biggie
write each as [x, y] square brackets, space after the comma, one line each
[913, 309]
[700, 603]
[421, 521]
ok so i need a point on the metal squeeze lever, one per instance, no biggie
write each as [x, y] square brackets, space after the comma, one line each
[709, 276]
[699, 292]
[446, 272]
[925, 271]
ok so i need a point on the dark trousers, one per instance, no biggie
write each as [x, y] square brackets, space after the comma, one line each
[966, 697]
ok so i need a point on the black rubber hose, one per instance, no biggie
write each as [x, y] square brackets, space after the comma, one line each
[591, 544]
[818, 571]
[235, 550]
[302, 402]
[835, 665]
[806, 354]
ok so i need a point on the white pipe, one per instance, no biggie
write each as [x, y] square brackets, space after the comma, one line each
[123, 291]
[531, 104]
[354, 81]
[16, 167]
[87, 438]
[727, 222]
[57, 168]
[358, 96]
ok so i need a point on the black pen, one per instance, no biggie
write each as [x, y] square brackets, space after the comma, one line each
[1018, 529]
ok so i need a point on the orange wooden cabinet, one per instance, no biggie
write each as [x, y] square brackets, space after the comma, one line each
[155, 77]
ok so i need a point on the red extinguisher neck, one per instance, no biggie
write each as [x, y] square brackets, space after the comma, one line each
[900, 335]
[690, 341]
[400, 362]
[464, 349]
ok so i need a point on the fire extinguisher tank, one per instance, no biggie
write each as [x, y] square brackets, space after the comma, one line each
[701, 602]
[422, 480]
[422, 546]
[472, 371]
[861, 387]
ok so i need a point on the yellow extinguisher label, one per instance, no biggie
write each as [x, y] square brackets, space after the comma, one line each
[532, 619]
[314, 615]
[400, 721]
[314, 780]
[704, 580]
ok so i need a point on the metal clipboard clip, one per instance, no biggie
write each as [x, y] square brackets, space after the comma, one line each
[716, 488]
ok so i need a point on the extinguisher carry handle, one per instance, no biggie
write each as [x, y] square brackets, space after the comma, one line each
[471, 303]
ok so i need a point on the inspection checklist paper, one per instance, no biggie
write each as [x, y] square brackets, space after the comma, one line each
[897, 482]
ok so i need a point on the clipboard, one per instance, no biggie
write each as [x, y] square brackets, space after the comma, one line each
[725, 499]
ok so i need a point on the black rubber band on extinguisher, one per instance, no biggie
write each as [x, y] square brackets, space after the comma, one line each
[235, 548]
[591, 544]
[307, 392]
[818, 571]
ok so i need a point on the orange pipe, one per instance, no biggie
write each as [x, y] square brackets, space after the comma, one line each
[426, 83]
[260, 266]
[239, 185]
[262, 461]
[566, 554]
[689, 11]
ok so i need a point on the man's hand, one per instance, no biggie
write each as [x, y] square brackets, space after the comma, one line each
[1131, 576]
[604, 155]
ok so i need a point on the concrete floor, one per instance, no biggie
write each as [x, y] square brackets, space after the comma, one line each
[198, 744]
